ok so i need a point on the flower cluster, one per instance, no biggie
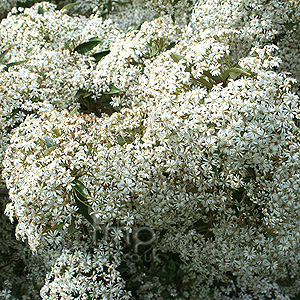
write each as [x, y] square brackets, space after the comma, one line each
[41, 69]
[21, 273]
[129, 55]
[254, 23]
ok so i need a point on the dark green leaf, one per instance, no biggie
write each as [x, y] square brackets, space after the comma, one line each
[172, 265]
[163, 275]
[100, 55]
[204, 82]
[297, 297]
[40, 10]
[87, 46]
[170, 46]
[81, 189]
[83, 208]
[123, 270]
[212, 125]
[80, 93]
[60, 226]
[81, 194]
[16, 63]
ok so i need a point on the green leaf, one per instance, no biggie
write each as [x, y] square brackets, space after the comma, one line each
[90, 150]
[16, 63]
[68, 6]
[74, 111]
[204, 82]
[60, 226]
[153, 49]
[171, 45]
[40, 10]
[57, 227]
[113, 90]
[123, 270]
[61, 101]
[81, 194]
[99, 55]
[94, 38]
[83, 209]
[50, 142]
[83, 93]
[122, 141]
[177, 57]
[69, 44]
[72, 227]
[297, 297]
[234, 73]
[216, 79]
[172, 266]
[13, 113]
[2, 55]
[49, 150]
[135, 27]
[211, 125]
[81, 189]
[87, 46]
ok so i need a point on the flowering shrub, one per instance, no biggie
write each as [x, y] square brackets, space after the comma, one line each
[46, 69]
[254, 22]
[172, 169]
[21, 274]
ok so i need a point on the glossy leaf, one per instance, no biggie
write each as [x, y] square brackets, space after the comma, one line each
[81, 189]
[81, 194]
[87, 46]
[99, 55]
